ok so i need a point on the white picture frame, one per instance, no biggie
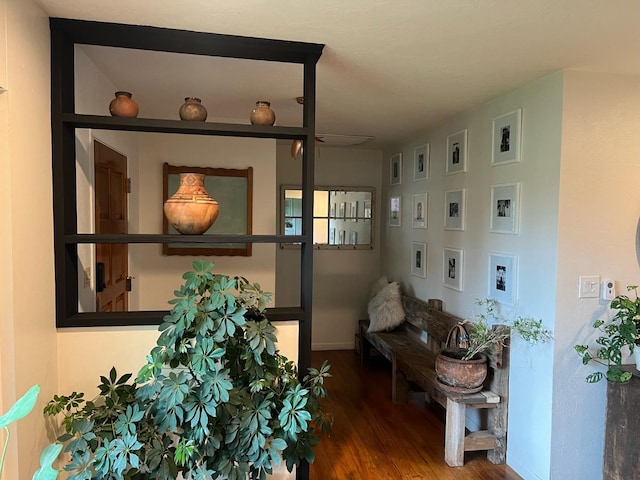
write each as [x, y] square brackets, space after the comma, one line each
[452, 268]
[395, 169]
[507, 138]
[419, 259]
[457, 152]
[505, 208]
[421, 162]
[395, 211]
[454, 209]
[353, 238]
[503, 275]
[353, 211]
[342, 237]
[419, 211]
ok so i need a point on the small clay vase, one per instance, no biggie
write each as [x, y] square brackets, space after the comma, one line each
[262, 114]
[193, 110]
[191, 211]
[123, 105]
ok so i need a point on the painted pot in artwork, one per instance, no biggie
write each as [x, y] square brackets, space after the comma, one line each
[191, 210]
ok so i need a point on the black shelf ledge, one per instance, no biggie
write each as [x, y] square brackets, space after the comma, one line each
[156, 125]
[154, 317]
[176, 238]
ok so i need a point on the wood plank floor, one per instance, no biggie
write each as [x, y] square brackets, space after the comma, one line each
[374, 439]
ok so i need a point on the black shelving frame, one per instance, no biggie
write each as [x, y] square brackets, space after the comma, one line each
[65, 34]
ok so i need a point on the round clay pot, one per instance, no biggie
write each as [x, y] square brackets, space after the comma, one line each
[123, 105]
[262, 114]
[193, 110]
[191, 211]
[461, 376]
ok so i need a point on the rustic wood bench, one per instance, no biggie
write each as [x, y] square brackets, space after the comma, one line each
[412, 350]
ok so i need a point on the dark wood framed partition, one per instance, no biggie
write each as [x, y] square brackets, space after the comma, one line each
[65, 34]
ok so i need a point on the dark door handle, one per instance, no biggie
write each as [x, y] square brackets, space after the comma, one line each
[100, 285]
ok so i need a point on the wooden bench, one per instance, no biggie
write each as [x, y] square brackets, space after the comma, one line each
[412, 349]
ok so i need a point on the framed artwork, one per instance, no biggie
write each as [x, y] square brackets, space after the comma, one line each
[367, 210]
[232, 188]
[452, 268]
[502, 278]
[341, 237]
[395, 211]
[353, 211]
[507, 133]
[457, 152]
[396, 169]
[332, 236]
[332, 210]
[353, 238]
[454, 207]
[419, 215]
[342, 212]
[421, 162]
[505, 205]
[419, 259]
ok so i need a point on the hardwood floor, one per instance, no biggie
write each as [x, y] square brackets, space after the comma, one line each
[374, 439]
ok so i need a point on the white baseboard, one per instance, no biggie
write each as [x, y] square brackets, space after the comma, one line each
[333, 346]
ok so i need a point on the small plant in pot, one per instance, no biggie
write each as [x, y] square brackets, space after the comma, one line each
[462, 367]
[215, 398]
[620, 332]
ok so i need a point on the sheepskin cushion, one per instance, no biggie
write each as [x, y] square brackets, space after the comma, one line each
[385, 309]
[378, 286]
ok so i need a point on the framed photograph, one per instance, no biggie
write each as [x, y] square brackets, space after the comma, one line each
[342, 237]
[502, 278]
[332, 236]
[332, 210]
[505, 204]
[353, 238]
[396, 169]
[457, 152]
[353, 211]
[507, 132]
[419, 215]
[395, 211]
[419, 259]
[421, 162]
[452, 268]
[367, 210]
[454, 207]
[342, 212]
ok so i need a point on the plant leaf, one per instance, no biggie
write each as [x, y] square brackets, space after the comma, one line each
[22, 407]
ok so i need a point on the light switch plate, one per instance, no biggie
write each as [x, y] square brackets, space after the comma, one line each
[589, 286]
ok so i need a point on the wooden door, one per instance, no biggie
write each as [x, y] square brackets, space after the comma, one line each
[111, 217]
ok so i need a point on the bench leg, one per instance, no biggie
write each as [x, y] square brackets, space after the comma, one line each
[454, 433]
[399, 384]
[497, 425]
[365, 350]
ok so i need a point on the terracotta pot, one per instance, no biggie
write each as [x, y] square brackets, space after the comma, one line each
[191, 211]
[193, 110]
[461, 376]
[123, 105]
[262, 114]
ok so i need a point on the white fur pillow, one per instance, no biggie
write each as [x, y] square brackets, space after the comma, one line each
[378, 286]
[385, 309]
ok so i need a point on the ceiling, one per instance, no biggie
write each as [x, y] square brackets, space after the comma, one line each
[390, 69]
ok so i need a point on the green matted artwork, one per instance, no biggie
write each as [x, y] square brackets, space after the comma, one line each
[233, 190]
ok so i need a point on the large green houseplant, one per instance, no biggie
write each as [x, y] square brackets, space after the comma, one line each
[215, 397]
[620, 332]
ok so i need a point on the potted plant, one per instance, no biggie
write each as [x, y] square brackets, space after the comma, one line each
[462, 367]
[214, 399]
[615, 334]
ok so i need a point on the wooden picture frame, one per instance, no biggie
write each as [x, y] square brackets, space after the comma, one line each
[233, 190]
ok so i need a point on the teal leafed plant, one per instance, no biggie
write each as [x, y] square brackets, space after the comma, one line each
[215, 397]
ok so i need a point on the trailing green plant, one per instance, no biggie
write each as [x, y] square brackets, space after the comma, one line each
[621, 331]
[489, 329]
[215, 397]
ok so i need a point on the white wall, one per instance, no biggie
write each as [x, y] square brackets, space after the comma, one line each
[27, 323]
[529, 434]
[599, 210]
[342, 279]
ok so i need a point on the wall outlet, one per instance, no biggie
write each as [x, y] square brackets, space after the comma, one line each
[87, 277]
